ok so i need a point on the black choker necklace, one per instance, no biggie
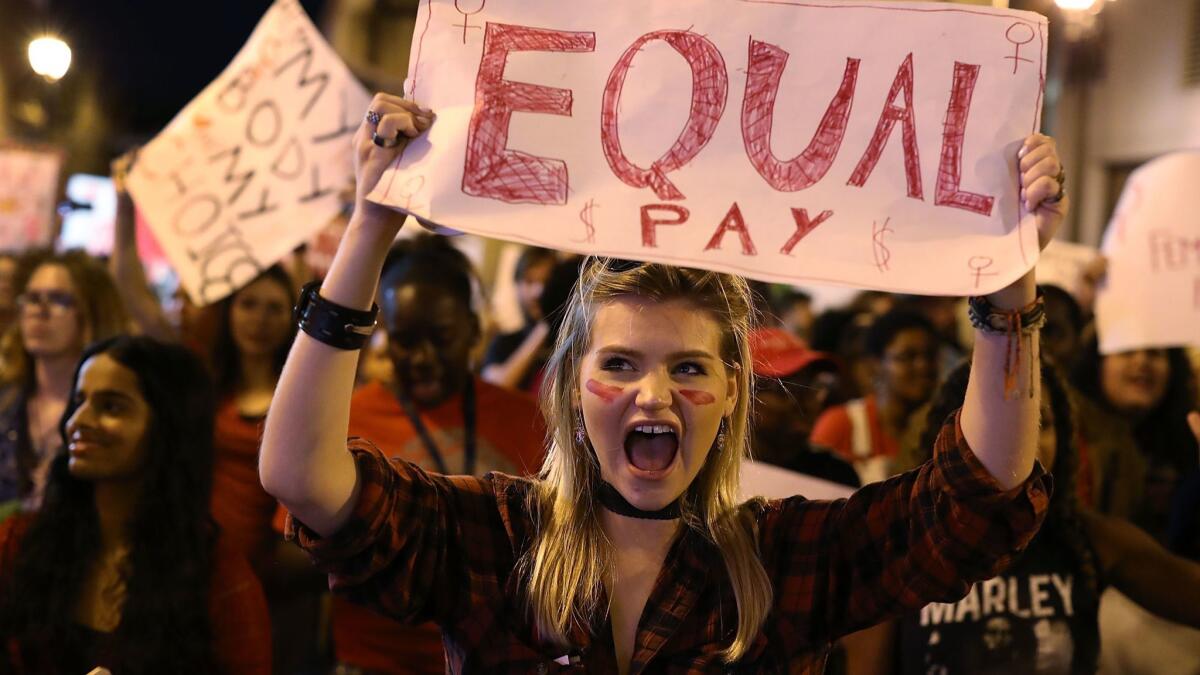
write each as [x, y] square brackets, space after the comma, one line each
[613, 501]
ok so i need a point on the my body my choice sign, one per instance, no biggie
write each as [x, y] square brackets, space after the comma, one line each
[857, 143]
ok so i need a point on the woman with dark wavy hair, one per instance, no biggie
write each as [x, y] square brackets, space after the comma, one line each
[1135, 408]
[1042, 614]
[122, 566]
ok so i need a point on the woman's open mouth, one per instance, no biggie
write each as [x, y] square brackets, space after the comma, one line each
[651, 450]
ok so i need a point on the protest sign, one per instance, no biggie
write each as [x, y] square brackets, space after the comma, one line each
[1150, 296]
[869, 144]
[772, 482]
[1065, 264]
[252, 166]
[28, 188]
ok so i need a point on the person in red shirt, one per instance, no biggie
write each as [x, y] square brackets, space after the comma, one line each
[123, 566]
[869, 431]
[436, 415]
[254, 332]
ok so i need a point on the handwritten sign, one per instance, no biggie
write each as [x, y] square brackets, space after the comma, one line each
[772, 482]
[28, 188]
[869, 144]
[1150, 296]
[1064, 264]
[252, 166]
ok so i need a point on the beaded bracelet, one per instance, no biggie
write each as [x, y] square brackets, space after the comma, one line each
[990, 319]
[1013, 323]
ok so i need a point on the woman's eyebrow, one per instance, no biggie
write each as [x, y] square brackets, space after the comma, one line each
[673, 356]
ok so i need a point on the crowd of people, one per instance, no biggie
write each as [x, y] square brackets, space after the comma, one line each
[177, 492]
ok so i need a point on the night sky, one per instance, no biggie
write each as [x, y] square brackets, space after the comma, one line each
[151, 57]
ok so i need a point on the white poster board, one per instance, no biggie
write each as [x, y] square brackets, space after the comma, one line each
[252, 166]
[1064, 264]
[868, 144]
[28, 189]
[90, 226]
[772, 482]
[1150, 296]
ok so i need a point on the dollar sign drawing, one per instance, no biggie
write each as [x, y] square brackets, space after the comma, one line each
[882, 253]
[587, 217]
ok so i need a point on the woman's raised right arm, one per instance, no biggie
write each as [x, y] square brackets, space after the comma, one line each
[304, 462]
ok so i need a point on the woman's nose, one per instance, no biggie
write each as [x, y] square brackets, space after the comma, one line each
[654, 391]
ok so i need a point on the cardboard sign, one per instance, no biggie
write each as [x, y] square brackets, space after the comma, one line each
[772, 482]
[1150, 296]
[857, 143]
[28, 188]
[1064, 264]
[252, 166]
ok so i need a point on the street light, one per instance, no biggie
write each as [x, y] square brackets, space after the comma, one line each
[50, 57]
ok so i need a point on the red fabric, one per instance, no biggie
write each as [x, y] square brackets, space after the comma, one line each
[239, 503]
[240, 619]
[834, 430]
[510, 437]
[420, 546]
[237, 607]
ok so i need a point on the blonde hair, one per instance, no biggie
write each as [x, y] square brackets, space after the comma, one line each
[571, 557]
[101, 312]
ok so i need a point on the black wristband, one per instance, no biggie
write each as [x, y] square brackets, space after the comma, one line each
[990, 319]
[331, 323]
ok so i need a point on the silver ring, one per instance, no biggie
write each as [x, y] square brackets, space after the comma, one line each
[372, 118]
[385, 142]
[1061, 178]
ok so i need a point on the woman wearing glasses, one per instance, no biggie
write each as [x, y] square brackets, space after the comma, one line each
[65, 302]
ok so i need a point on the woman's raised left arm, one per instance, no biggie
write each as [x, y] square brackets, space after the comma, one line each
[1000, 413]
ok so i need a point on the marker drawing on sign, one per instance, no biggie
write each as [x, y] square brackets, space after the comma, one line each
[978, 265]
[466, 15]
[803, 227]
[409, 189]
[587, 217]
[882, 253]
[1019, 34]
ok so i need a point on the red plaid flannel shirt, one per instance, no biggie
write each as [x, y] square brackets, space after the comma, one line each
[421, 547]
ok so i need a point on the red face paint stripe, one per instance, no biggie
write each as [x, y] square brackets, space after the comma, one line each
[604, 392]
[698, 397]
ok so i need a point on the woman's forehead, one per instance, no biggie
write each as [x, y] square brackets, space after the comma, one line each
[102, 371]
[644, 324]
[50, 275]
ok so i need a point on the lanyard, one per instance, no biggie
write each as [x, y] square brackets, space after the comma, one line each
[468, 413]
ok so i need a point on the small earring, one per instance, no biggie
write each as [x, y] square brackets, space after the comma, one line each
[580, 431]
[721, 436]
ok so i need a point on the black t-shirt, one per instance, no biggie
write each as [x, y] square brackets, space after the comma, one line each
[1039, 618]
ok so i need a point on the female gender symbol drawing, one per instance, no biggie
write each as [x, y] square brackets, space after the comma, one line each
[979, 263]
[467, 16]
[1018, 34]
[409, 189]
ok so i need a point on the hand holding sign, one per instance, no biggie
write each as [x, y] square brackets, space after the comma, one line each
[381, 138]
[1042, 191]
